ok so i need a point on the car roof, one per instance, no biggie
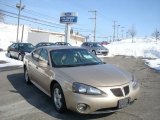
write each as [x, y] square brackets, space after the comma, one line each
[49, 48]
[91, 42]
[22, 43]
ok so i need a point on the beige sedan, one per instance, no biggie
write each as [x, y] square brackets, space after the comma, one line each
[77, 80]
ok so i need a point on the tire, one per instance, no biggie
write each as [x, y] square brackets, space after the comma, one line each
[27, 79]
[94, 52]
[58, 99]
[20, 57]
[9, 55]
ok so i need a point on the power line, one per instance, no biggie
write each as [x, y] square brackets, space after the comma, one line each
[35, 19]
[31, 21]
[15, 16]
[29, 11]
[39, 21]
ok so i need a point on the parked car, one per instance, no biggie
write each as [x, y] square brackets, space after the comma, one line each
[18, 50]
[96, 48]
[44, 44]
[63, 43]
[1, 49]
[77, 80]
[104, 43]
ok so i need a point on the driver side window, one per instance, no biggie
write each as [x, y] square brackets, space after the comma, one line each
[43, 56]
[35, 54]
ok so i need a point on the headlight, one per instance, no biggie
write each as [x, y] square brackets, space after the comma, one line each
[134, 82]
[85, 89]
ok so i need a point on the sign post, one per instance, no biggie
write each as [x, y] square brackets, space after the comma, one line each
[68, 18]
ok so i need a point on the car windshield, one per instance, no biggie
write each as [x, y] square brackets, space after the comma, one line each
[63, 43]
[97, 45]
[73, 58]
[44, 44]
[26, 47]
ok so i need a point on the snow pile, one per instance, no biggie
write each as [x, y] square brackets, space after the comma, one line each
[137, 49]
[143, 48]
[154, 64]
[8, 34]
[9, 61]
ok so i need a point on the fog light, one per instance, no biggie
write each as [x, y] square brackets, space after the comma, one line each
[82, 107]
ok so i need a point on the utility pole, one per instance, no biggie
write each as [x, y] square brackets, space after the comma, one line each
[22, 33]
[122, 30]
[95, 19]
[20, 7]
[114, 30]
[117, 32]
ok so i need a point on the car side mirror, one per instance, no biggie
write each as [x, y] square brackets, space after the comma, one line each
[43, 64]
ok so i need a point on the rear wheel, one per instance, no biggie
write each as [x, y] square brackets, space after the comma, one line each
[58, 99]
[9, 54]
[27, 80]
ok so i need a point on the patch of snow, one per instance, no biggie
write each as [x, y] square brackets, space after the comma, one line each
[154, 64]
[143, 48]
[9, 61]
[8, 34]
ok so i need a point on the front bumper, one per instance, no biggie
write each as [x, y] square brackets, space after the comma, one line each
[101, 52]
[98, 102]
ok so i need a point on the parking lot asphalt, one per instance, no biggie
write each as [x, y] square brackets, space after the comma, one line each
[19, 101]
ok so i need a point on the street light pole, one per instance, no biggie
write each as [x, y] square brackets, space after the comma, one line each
[20, 7]
[95, 19]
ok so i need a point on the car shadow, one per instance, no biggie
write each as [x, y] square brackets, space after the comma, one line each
[42, 102]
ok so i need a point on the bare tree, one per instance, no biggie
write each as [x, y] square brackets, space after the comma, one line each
[132, 32]
[1, 16]
[156, 34]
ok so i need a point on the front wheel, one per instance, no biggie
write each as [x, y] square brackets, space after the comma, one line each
[20, 57]
[58, 99]
[94, 52]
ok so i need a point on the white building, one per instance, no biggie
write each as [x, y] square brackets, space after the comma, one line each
[35, 36]
[8, 35]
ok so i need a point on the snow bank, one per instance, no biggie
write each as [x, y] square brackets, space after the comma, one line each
[137, 49]
[8, 34]
[154, 64]
[143, 48]
[9, 61]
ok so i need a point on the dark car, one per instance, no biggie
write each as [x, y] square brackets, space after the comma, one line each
[63, 43]
[44, 44]
[18, 50]
[1, 49]
[96, 48]
[104, 43]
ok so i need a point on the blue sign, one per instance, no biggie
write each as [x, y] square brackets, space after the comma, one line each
[68, 13]
[68, 19]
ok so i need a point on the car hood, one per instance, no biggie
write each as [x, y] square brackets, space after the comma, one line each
[96, 75]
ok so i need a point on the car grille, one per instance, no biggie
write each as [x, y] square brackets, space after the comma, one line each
[118, 91]
[126, 90]
[104, 52]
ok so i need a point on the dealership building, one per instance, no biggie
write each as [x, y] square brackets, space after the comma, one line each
[35, 36]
